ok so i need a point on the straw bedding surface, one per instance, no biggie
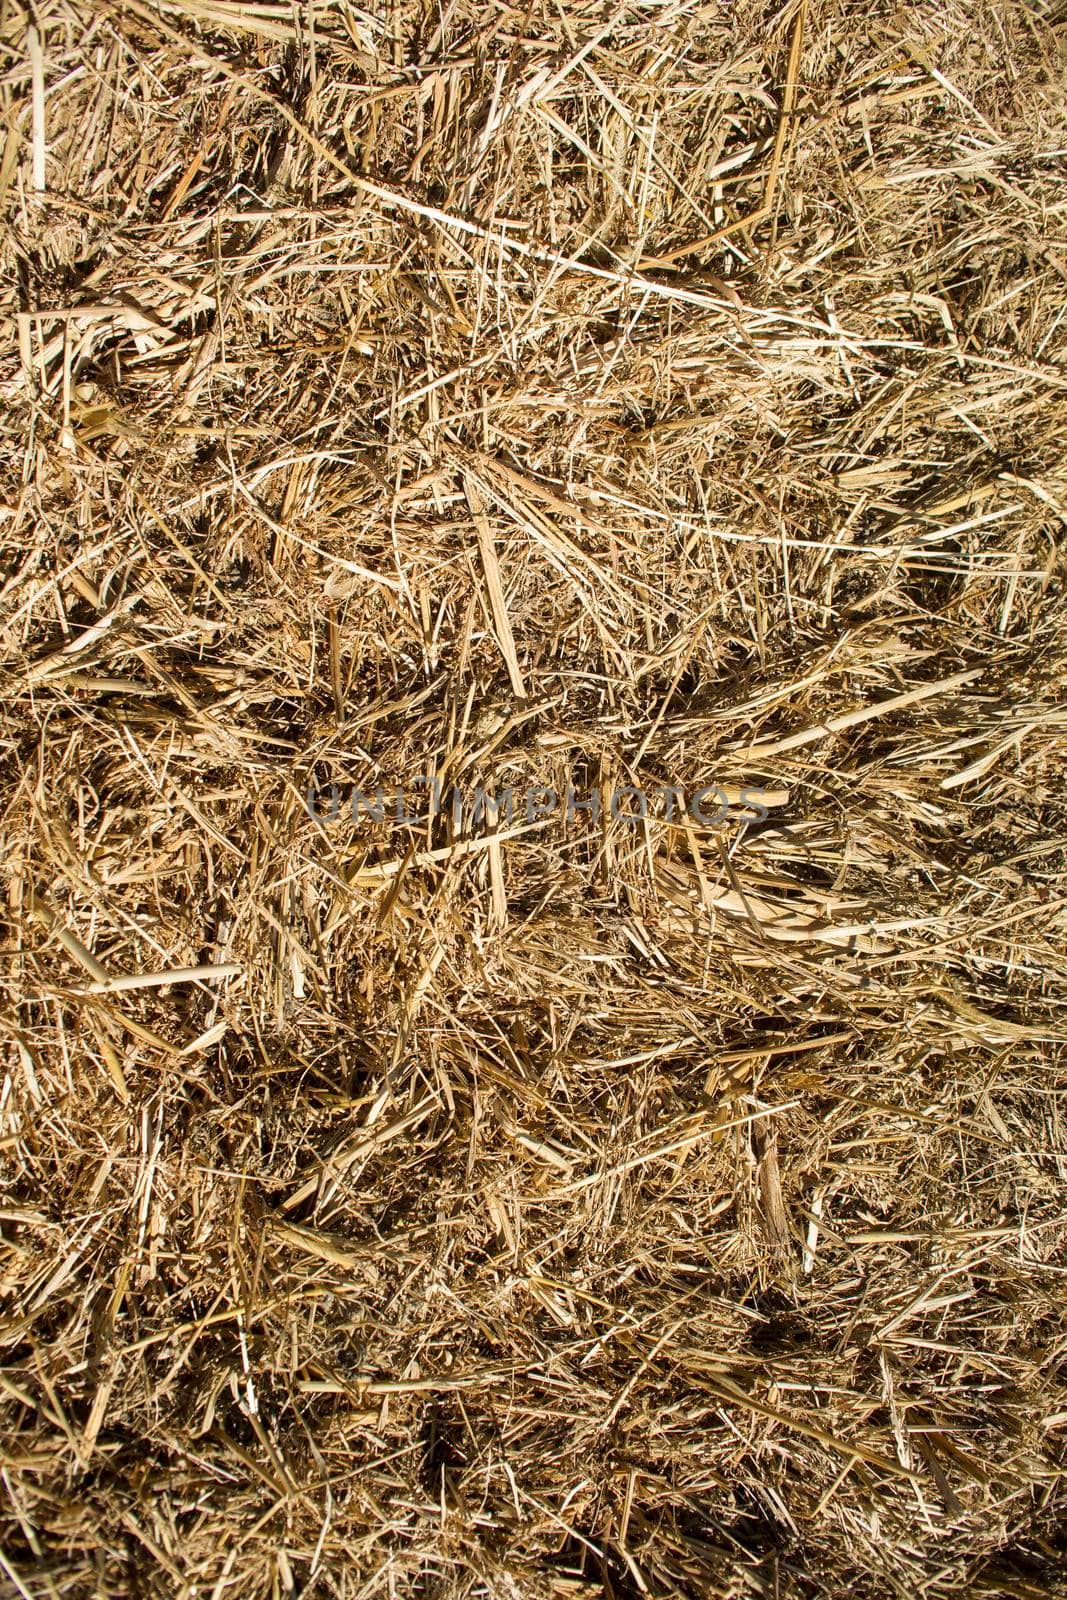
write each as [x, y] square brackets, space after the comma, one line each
[662, 397]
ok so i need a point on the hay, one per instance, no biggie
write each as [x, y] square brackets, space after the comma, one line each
[575, 1202]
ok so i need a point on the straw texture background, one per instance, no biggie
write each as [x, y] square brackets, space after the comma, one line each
[566, 394]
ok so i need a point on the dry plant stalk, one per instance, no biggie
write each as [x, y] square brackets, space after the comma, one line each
[568, 1200]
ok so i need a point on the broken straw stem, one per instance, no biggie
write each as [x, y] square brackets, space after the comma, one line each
[159, 980]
